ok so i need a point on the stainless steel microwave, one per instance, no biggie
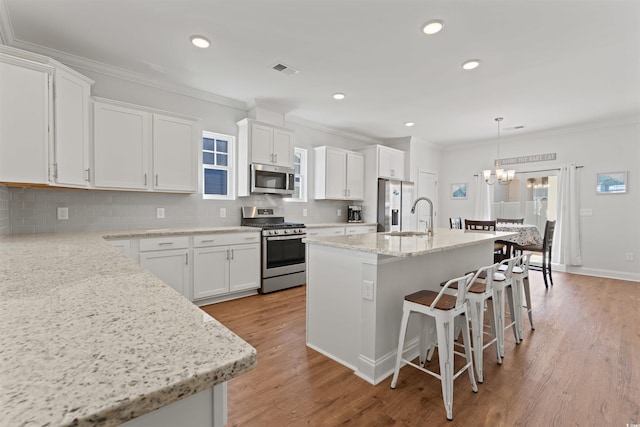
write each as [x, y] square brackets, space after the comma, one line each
[267, 179]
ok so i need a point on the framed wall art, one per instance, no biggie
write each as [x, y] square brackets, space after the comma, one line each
[611, 183]
[459, 191]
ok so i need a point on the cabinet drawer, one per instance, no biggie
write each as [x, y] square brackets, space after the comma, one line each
[219, 239]
[323, 232]
[361, 229]
[162, 243]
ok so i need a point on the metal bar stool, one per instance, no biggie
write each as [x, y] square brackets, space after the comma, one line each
[479, 295]
[439, 312]
[521, 283]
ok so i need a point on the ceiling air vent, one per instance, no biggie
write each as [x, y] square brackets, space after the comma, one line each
[285, 69]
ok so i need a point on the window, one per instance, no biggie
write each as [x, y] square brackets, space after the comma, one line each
[217, 169]
[300, 179]
[532, 197]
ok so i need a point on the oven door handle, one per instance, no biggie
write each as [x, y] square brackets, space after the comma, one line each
[292, 237]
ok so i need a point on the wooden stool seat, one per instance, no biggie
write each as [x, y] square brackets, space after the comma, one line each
[447, 302]
[476, 287]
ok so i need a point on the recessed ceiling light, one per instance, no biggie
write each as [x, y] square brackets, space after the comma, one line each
[200, 41]
[471, 64]
[432, 27]
[338, 96]
[409, 124]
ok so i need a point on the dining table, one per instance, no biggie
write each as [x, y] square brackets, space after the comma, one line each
[528, 234]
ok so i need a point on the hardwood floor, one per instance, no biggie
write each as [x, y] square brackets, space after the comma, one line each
[581, 366]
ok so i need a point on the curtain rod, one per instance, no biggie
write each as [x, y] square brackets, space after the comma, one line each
[541, 170]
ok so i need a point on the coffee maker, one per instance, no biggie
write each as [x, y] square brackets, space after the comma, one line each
[354, 213]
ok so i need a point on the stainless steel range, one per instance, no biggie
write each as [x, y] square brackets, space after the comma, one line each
[283, 253]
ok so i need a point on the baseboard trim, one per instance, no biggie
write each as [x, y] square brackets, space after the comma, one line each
[609, 274]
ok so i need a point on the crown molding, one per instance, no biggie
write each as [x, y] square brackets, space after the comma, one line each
[582, 127]
[78, 62]
[313, 125]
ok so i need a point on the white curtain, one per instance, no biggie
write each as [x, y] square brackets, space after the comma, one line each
[482, 200]
[566, 244]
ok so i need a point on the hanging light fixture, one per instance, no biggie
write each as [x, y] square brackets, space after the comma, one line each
[500, 175]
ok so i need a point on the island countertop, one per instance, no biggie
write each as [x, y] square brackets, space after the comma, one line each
[89, 337]
[408, 245]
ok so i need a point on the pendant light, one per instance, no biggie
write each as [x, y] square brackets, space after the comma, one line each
[500, 175]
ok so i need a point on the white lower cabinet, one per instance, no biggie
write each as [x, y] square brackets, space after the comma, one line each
[224, 264]
[168, 258]
[361, 229]
[340, 231]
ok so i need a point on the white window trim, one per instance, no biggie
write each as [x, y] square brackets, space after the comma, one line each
[231, 181]
[304, 177]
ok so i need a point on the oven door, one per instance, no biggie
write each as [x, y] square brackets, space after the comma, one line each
[282, 255]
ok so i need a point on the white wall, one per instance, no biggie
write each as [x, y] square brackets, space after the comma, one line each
[613, 230]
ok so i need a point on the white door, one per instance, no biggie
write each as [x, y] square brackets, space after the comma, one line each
[427, 187]
[355, 176]
[211, 271]
[336, 174]
[170, 266]
[261, 144]
[283, 148]
[175, 142]
[121, 147]
[24, 123]
[72, 130]
[244, 267]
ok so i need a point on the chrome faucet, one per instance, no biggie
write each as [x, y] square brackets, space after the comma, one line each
[413, 210]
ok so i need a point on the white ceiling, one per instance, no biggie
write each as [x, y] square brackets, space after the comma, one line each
[545, 64]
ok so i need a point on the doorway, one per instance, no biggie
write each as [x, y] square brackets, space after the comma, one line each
[427, 187]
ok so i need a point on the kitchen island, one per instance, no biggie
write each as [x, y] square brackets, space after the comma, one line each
[88, 337]
[356, 285]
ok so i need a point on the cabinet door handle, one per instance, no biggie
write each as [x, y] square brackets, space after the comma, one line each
[207, 241]
[276, 157]
[231, 253]
[228, 250]
[88, 174]
[145, 179]
[156, 180]
[165, 243]
[186, 258]
[55, 170]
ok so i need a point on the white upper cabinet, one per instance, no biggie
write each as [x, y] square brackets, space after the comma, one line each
[25, 118]
[390, 163]
[121, 144]
[265, 143]
[260, 142]
[72, 91]
[339, 174]
[44, 121]
[138, 149]
[175, 155]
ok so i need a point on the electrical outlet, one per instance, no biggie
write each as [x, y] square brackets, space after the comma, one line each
[339, 212]
[586, 212]
[367, 290]
[223, 212]
[160, 213]
[304, 212]
[629, 256]
[63, 213]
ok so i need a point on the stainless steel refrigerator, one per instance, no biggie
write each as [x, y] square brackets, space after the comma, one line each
[394, 205]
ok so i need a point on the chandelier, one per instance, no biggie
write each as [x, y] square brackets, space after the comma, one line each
[498, 175]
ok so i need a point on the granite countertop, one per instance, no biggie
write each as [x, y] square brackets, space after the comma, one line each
[340, 224]
[88, 337]
[159, 232]
[407, 246]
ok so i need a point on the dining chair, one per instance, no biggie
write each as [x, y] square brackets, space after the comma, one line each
[510, 220]
[545, 250]
[455, 223]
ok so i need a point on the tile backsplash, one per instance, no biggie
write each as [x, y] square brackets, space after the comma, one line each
[4, 211]
[34, 210]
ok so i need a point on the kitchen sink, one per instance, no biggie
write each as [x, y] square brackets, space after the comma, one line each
[408, 233]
